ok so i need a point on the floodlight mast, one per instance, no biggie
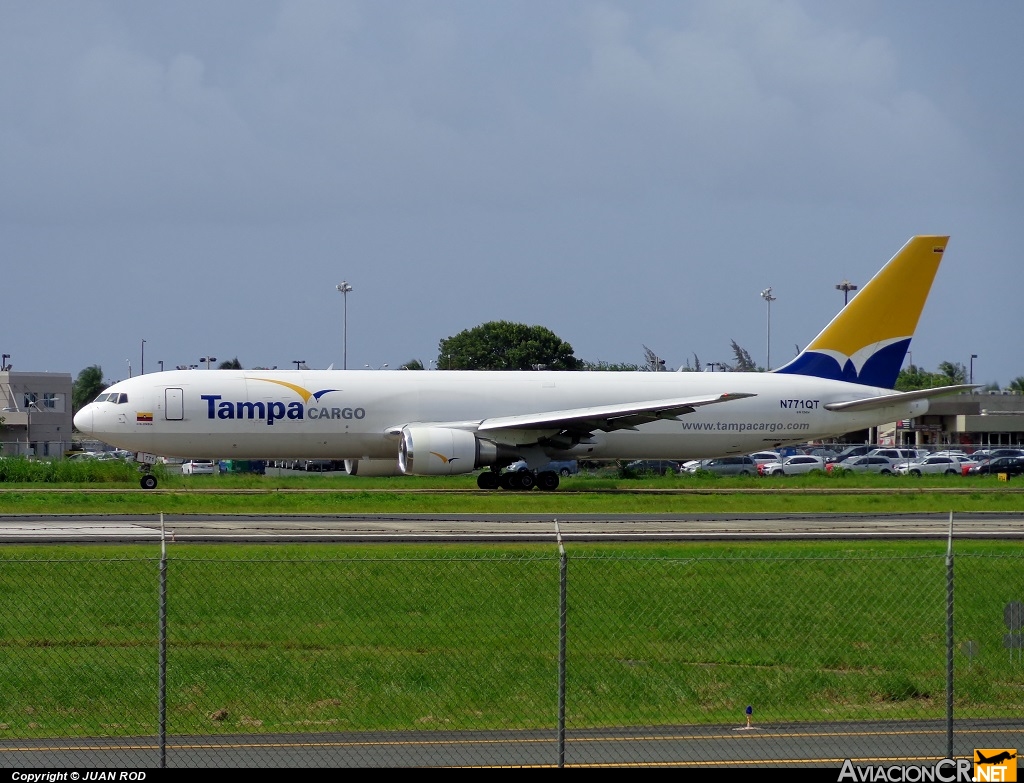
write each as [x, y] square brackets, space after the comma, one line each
[766, 294]
[344, 288]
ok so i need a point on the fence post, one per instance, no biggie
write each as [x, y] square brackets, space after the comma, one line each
[949, 641]
[162, 655]
[562, 611]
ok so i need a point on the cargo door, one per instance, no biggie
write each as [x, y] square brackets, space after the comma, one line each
[174, 404]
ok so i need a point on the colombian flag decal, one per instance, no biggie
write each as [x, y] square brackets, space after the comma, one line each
[143, 417]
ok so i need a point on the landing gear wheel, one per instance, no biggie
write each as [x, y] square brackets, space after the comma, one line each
[148, 481]
[509, 480]
[547, 480]
[526, 480]
[487, 480]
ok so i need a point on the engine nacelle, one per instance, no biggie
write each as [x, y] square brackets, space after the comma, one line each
[372, 467]
[440, 451]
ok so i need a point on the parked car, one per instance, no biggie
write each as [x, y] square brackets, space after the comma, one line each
[791, 466]
[563, 467]
[196, 467]
[950, 466]
[1012, 466]
[863, 464]
[849, 451]
[821, 451]
[760, 457]
[656, 466]
[743, 465]
[899, 456]
[981, 454]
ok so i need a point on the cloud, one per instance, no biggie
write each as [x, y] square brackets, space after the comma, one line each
[758, 97]
[343, 105]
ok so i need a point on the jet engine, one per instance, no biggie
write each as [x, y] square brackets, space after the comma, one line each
[441, 451]
[372, 467]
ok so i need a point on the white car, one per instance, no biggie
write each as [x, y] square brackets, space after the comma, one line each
[565, 467]
[932, 464]
[899, 456]
[864, 464]
[792, 466]
[195, 467]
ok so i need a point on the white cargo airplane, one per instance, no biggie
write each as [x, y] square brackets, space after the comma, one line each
[387, 423]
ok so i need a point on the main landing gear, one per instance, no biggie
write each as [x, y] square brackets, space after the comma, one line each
[518, 480]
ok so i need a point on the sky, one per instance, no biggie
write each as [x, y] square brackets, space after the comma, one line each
[201, 175]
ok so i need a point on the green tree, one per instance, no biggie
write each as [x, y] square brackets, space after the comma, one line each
[412, 364]
[652, 362]
[914, 377]
[744, 363]
[952, 372]
[87, 386]
[1017, 385]
[602, 366]
[231, 364]
[503, 345]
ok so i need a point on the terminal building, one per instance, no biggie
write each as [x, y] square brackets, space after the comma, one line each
[36, 413]
[977, 420]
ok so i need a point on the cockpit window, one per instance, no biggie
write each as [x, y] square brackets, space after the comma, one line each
[114, 397]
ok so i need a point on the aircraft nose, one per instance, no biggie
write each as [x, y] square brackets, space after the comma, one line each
[83, 420]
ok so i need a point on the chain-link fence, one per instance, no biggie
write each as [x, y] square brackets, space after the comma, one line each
[279, 656]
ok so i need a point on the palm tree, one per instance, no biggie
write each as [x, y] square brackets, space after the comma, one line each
[87, 387]
[953, 372]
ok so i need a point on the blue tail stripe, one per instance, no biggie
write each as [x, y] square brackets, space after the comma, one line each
[880, 370]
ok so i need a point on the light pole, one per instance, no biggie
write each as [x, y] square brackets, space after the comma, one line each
[766, 294]
[142, 367]
[298, 363]
[208, 359]
[344, 287]
[129, 367]
[846, 286]
[161, 363]
[973, 357]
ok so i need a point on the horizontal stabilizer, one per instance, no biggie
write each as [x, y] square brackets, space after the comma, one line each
[896, 398]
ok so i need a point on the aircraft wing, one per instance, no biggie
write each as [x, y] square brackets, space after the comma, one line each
[607, 418]
[895, 398]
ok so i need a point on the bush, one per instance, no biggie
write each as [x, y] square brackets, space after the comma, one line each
[61, 471]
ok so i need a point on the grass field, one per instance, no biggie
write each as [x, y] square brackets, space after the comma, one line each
[308, 638]
[579, 494]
